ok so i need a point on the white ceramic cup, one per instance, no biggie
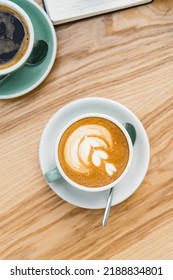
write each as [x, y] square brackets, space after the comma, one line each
[28, 22]
[58, 172]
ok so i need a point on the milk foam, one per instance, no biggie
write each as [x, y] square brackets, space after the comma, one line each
[86, 148]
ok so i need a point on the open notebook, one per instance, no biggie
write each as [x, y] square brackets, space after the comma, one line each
[61, 11]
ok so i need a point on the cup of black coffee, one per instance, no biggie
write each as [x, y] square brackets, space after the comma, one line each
[16, 37]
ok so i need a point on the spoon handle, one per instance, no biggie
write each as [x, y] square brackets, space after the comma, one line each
[108, 207]
[2, 79]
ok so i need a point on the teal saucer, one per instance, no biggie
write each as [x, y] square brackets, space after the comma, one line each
[28, 78]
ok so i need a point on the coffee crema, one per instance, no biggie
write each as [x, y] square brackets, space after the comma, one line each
[93, 152]
[14, 37]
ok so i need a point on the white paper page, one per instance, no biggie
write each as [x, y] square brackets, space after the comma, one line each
[67, 10]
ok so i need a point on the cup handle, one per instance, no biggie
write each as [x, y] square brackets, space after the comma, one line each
[52, 175]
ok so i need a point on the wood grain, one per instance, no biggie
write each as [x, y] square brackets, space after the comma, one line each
[126, 56]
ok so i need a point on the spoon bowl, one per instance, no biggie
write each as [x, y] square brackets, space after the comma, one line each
[38, 53]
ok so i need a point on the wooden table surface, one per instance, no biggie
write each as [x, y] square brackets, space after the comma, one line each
[126, 56]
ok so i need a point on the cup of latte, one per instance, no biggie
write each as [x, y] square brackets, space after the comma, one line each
[16, 37]
[93, 153]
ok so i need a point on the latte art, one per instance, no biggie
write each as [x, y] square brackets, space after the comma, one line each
[93, 152]
[86, 147]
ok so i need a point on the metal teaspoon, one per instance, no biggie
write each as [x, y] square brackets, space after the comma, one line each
[132, 133]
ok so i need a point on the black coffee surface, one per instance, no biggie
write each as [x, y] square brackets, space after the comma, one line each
[12, 34]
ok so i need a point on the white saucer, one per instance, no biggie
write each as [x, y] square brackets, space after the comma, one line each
[140, 162]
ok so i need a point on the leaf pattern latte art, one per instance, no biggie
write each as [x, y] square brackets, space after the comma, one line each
[86, 148]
